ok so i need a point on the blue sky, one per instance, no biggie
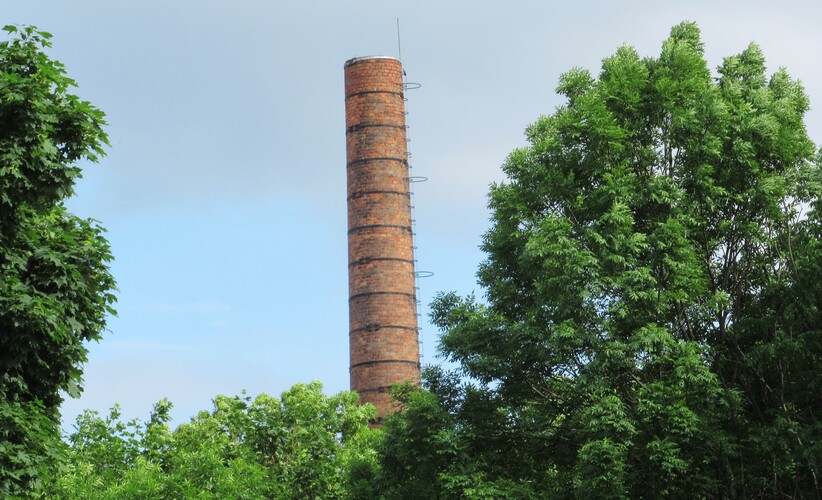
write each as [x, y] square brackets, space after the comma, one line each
[224, 188]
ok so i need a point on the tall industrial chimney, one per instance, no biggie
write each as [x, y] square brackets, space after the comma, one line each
[383, 334]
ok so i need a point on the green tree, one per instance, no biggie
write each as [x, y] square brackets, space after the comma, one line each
[652, 322]
[55, 286]
[301, 445]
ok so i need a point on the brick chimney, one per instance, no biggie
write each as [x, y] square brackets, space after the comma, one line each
[383, 333]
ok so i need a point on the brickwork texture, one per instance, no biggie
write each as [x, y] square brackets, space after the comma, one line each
[383, 334]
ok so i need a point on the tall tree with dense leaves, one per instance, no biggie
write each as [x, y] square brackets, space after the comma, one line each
[55, 287]
[653, 271]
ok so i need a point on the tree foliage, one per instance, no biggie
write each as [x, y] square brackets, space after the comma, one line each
[652, 323]
[55, 286]
[301, 445]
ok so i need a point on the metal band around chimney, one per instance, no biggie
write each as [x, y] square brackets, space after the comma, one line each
[382, 388]
[361, 126]
[376, 328]
[359, 161]
[360, 194]
[366, 260]
[379, 226]
[379, 361]
[365, 92]
[381, 292]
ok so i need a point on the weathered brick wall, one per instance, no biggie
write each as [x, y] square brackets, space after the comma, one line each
[383, 333]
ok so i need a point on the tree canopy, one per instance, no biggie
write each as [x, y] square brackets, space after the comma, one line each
[301, 445]
[652, 317]
[55, 286]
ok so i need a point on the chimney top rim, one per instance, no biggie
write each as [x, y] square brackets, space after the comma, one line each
[355, 60]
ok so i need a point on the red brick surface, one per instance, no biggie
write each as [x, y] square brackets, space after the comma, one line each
[383, 334]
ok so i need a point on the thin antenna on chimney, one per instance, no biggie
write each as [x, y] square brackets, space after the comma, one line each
[399, 45]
